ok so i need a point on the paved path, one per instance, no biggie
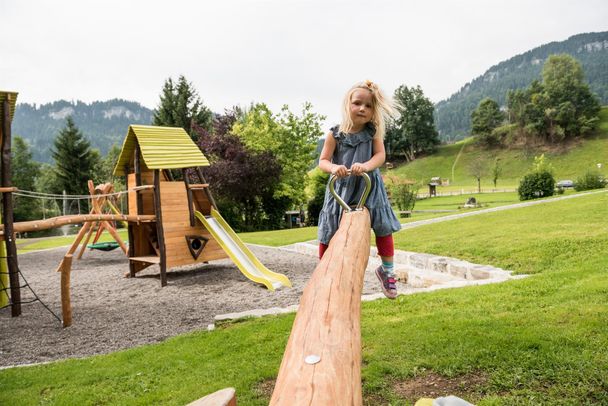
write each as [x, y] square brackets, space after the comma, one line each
[414, 224]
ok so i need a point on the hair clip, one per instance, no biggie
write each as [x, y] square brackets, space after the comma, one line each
[370, 85]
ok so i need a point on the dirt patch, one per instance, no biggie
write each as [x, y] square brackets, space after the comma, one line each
[265, 388]
[432, 385]
[111, 312]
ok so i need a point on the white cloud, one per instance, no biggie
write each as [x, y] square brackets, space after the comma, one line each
[275, 51]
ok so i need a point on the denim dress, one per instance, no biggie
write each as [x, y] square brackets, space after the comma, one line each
[351, 148]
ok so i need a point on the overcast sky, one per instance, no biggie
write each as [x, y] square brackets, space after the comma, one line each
[273, 51]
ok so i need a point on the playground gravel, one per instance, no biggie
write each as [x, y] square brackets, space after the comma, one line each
[111, 312]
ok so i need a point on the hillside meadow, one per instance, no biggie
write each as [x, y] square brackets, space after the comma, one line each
[540, 340]
[453, 161]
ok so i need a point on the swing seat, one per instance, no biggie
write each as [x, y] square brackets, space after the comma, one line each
[104, 246]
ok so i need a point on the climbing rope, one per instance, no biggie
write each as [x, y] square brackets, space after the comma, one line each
[41, 195]
[4, 288]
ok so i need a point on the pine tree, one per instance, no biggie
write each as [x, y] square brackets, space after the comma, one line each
[485, 119]
[24, 172]
[180, 106]
[74, 160]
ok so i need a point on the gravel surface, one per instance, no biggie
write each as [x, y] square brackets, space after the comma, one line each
[111, 312]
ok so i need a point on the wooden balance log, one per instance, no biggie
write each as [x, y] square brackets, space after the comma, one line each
[322, 361]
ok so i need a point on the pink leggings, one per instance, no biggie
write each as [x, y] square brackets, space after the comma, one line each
[385, 245]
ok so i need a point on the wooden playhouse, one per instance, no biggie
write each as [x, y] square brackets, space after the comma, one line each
[188, 228]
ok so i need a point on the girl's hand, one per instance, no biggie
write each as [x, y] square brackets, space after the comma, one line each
[358, 169]
[339, 170]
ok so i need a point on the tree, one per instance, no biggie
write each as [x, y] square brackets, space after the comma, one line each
[484, 120]
[573, 108]
[75, 161]
[290, 138]
[414, 131]
[317, 187]
[24, 172]
[477, 169]
[560, 107]
[496, 171]
[105, 169]
[244, 181]
[48, 182]
[180, 106]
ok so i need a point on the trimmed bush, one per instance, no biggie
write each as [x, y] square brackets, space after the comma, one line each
[590, 180]
[402, 192]
[536, 185]
[318, 185]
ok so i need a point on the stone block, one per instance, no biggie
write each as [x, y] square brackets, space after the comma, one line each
[458, 269]
[420, 261]
[480, 272]
[439, 265]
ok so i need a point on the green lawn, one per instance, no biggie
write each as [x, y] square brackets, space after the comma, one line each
[452, 161]
[280, 237]
[291, 236]
[538, 340]
[25, 245]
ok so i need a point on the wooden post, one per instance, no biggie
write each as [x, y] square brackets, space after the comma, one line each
[160, 237]
[87, 238]
[85, 228]
[327, 325]
[189, 195]
[199, 172]
[7, 211]
[66, 305]
[131, 250]
[137, 164]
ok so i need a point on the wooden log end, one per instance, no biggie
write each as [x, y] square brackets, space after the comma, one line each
[224, 397]
[66, 306]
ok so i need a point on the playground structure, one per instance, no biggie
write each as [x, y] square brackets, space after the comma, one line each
[170, 223]
[101, 204]
[176, 238]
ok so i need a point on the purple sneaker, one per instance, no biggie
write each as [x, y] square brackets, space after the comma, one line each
[388, 284]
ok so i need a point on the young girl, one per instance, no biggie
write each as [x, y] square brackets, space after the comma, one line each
[357, 145]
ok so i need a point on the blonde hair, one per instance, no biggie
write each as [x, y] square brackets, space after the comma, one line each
[383, 108]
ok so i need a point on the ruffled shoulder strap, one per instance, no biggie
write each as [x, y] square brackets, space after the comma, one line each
[335, 131]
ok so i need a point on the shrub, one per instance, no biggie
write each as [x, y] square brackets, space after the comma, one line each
[590, 180]
[318, 185]
[403, 192]
[536, 185]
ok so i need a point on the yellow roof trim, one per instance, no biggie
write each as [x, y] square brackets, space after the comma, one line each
[161, 148]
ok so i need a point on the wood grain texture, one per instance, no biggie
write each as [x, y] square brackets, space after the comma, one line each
[328, 325]
[66, 304]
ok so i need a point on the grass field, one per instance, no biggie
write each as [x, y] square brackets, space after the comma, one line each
[452, 161]
[539, 340]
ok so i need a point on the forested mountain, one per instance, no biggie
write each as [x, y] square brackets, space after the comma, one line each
[453, 116]
[103, 123]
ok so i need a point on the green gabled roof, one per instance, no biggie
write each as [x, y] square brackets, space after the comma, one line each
[12, 100]
[161, 148]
